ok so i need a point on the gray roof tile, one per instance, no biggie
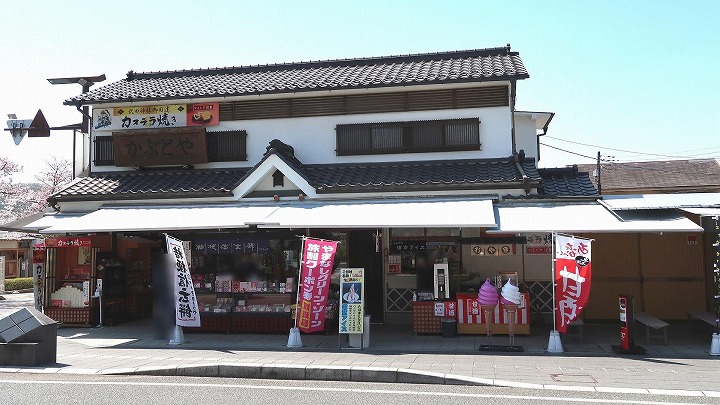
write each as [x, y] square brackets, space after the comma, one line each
[481, 65]
[425, 175]
[566, 182]
[139, 185]
[678, 175]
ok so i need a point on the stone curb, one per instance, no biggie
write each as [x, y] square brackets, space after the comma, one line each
[300, 372]
[341, 373]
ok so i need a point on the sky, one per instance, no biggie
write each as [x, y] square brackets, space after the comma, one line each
[635, 80]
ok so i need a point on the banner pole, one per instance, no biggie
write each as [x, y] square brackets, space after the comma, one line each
[552, 284]
[294, 339]
[299, 283]
[554, 342]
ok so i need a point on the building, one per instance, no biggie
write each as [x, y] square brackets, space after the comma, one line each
[661, 176]
[409, 161]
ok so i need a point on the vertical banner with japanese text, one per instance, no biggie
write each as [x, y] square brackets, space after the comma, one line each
[317, 266]
[352, 300]
[572, 278]
[186, 306]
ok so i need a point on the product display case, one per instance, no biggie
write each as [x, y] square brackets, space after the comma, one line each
[232, 306]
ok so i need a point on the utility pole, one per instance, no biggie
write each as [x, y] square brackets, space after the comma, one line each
[599, 184]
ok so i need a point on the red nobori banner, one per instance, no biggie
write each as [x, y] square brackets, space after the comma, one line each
[572, 278]
[67, 242]
[317, 266]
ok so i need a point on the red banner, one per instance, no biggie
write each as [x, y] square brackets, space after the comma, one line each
[67, 242]
[572, 278]
[316, 268]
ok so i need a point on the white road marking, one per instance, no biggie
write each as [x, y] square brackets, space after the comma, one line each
[354, 390]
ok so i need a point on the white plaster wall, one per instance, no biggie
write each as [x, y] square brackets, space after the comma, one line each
[266, 184]
[314, 137]
[526, 136]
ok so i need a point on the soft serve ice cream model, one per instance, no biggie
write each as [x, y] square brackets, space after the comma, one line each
[488, 299]
[510, 298]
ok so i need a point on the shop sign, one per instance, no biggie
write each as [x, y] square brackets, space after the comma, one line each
[572, 278]
[446, 309]
[538, 244]
[156, 116]
[186, 306]
[38, 271]
[408, 245]
[316, 266]
[154, 147]
[352, 300]
[492, 250]
[230, 246]
[67, 242]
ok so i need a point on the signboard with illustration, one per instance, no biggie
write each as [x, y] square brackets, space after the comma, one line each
[156, 116]
[352, 298]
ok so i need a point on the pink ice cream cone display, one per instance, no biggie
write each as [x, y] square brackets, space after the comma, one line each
[488, 294]
[488, 299]
[510, 298]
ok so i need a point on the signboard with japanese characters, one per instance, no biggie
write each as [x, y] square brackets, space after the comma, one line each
[538, 244]
[408, 245]
[186, 306]
[67, 242]
[153, 147]
[156, 116]
[316, 267]
[352, 300]
[572, 278]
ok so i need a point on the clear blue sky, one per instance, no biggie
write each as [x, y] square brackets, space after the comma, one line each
[641, 76]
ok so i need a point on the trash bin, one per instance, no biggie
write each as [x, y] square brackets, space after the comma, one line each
[449, 327]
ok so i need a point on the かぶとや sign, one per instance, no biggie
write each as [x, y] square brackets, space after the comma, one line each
[154, 147]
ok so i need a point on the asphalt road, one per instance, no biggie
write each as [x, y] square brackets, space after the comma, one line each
[73, 389]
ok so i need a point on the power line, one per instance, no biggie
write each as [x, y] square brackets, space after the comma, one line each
[574, 153]
[609, 162]
[618, 150]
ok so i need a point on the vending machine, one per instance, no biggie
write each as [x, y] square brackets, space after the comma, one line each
[442, 281]
[627, 333]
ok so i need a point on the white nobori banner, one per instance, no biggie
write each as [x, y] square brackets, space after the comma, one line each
[186, 306]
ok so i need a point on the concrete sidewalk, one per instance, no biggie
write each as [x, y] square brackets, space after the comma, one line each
[396, 355]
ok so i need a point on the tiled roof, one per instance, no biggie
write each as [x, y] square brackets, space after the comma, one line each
[418, 175]
[566, 182]
[138, 185]
[481, 65]
[679, 175]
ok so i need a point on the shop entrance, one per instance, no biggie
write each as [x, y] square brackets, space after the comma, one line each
[362, 254]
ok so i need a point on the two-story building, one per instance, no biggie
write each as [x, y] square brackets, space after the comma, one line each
[409, 161]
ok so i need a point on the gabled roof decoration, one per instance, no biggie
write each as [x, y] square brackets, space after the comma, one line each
[480, 65]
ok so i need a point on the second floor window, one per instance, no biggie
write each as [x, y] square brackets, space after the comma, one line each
[408, 137]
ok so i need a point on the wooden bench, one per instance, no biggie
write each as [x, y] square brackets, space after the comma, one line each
[652, 322]
[704, 316]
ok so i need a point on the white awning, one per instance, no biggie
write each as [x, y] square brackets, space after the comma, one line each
[590, 217]
[38, 222]
[662, 201]
[390, 213]
[154, 218]
[703, 212]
